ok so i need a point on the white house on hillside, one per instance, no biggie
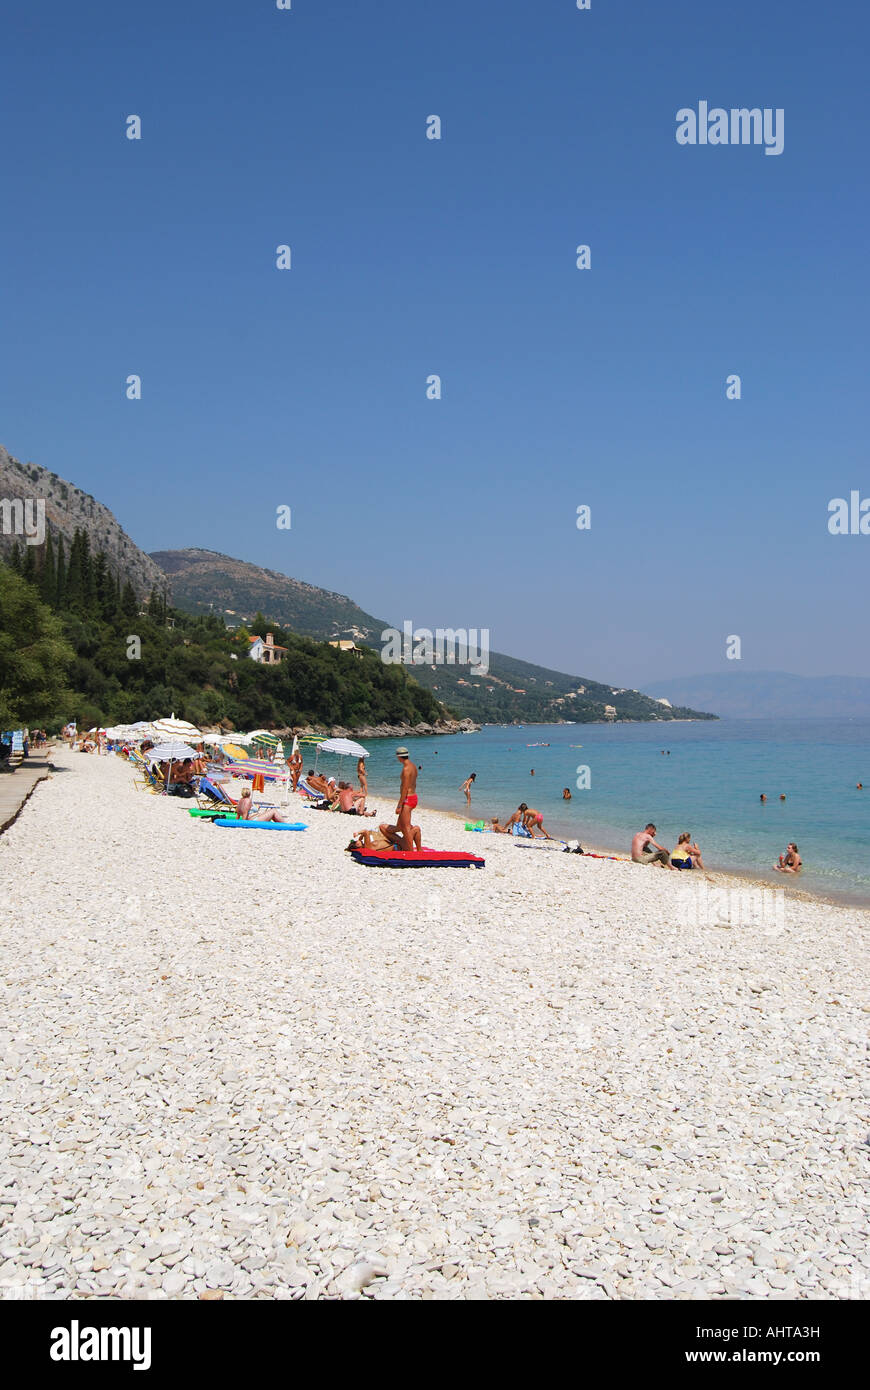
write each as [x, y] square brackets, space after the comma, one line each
[266, 651]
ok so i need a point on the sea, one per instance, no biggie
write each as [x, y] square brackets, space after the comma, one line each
[704, 777]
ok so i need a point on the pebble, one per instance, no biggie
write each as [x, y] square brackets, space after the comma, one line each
[488, 1102]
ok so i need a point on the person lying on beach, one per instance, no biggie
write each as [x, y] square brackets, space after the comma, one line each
[466, 787]
[370, 839]
[318, 782]
[644, 849]
[790, 862]
[395, 836]
[687, 855]
[385, 837]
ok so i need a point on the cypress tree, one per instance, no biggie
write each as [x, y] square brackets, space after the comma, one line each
[129, 606]
[28, 568]
[89, 585]
[74, 591]
[15, 560]
[103, 585]
[48, 574]
[60, 582]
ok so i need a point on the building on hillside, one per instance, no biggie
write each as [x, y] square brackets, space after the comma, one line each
[346, 646]
[609, 712]
[266, 651]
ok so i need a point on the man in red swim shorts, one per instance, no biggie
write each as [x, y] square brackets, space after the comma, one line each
[407, 798]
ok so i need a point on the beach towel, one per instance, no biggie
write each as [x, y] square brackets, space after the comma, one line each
[417, 859]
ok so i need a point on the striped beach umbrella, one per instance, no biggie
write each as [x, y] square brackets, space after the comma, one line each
[172, 728]
[266, 740]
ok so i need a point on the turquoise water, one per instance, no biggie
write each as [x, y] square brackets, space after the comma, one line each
[709, 785]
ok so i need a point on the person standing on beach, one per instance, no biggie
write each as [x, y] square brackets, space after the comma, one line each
[466, 787]
[361, 775]
[294, 765]
[644, 849]
[407, 798]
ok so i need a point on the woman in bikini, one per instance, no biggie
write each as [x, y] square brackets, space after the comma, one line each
[466, 787]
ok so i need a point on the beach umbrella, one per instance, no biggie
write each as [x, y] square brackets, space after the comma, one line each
[172, 751]
[171, 728]
[344, 747]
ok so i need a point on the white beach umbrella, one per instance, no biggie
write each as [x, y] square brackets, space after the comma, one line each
[175, 728]
[345, 747]
[172, 751]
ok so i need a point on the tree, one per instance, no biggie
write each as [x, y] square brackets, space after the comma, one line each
[60, 586]
[48, 573]
[34, 657]
[129, 605]
[74, 586]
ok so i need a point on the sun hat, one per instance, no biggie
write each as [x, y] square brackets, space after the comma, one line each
[402, 752]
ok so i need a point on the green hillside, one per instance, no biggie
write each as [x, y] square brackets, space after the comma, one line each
[204, 581]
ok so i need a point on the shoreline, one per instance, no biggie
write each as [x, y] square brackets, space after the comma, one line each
[247, 1067]
[792, 887]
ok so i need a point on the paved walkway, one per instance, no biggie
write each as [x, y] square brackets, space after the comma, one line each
[16, 787]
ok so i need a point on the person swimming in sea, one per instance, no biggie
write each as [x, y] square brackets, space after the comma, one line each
[566, 794]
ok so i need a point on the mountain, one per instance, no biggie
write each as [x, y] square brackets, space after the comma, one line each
[770, 694]
[204, 581]
[67, 507]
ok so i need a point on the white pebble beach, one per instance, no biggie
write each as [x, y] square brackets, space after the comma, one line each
[238, 1064]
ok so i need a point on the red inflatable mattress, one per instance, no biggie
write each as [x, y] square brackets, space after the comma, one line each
[418, 858]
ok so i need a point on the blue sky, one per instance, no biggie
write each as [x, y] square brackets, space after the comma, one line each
[456, 257]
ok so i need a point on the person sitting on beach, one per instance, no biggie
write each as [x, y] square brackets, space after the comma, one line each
[644, 849]
[790, 862]
[182, 779]
[245, 806]
[515, 819]
[687, 855]
[351, 802]
[466, 787]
